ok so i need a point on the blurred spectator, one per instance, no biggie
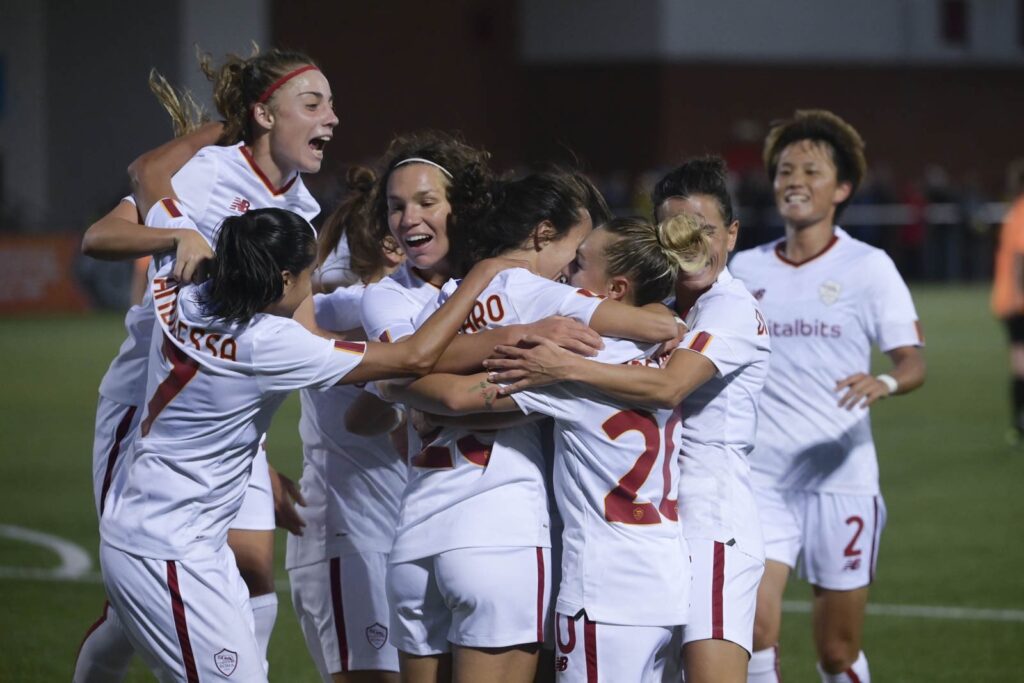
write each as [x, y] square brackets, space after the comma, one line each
[1008, 293]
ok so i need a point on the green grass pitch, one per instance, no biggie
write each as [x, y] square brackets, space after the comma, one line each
[952, 487]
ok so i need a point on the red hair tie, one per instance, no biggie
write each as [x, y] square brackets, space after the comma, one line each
[282, 80]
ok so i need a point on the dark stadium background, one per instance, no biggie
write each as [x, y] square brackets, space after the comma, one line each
[624, 89]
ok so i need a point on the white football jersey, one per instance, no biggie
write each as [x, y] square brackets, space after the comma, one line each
[392, 306]
[336, 269]
[213, 388]
[486, 489]
[352, 484]
[216, 183]
[624, 559]
[719, 419]
[823, 316]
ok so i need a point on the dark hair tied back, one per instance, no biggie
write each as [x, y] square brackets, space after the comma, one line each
[705, 175]
[252, 252]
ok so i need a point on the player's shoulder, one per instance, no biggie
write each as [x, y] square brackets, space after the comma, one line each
[755, 256]
[302, 200]
[728, 293]
[864, 255]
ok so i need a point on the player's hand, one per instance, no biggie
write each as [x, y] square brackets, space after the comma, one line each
[668, 347]
[193, 256]
[520, 368]
[570, 334]
[862, 390]
[286, 497]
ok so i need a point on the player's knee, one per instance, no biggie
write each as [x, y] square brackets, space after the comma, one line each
[766, 631]
[837, 655]
[259, 580]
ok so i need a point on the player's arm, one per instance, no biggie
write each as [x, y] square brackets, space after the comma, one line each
[481, 422]
[632, 384]
[150, 174]
[652, 323]
[417, 354]
[445, 394]
[862, 389]
[467, 351]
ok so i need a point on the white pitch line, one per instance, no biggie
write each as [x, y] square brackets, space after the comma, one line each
[925, 612]
[76, 567]
[74, 561]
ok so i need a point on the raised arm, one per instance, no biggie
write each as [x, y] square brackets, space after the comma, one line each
[150, 174]
[633, 385]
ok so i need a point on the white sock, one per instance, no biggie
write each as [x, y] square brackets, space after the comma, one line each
[857, 673]
[264, 613]
[764, 666]
[106, 652]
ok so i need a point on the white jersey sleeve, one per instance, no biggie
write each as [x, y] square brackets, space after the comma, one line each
[388, 313]
[341, 309]
[291, 358]
[895, 321]
[728, 337]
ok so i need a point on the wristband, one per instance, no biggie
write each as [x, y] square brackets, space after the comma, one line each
[890, 382]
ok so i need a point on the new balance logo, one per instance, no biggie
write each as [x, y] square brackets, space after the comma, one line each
[240, 204]
[561, 664]
[852, 565]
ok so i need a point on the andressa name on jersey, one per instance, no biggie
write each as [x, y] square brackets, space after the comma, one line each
[806, 328]
[165, 298]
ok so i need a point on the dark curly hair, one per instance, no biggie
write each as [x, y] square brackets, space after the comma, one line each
[823, 127]
[467, 190]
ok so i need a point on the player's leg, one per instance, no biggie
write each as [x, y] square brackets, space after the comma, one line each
[839, 561]
[106, 653]
[1015, 328]
[251, 539]
[838, 622]
[781, 525]
[420, 621]
[719, 632]
[589, 652]
[499, 600]
[189, 620]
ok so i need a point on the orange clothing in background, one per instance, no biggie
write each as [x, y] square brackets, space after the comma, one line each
[1008, 285]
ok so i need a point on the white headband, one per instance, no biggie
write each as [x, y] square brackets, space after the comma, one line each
[418, 160]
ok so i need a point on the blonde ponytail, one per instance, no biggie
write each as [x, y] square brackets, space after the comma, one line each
[684, 241]
[186, 114]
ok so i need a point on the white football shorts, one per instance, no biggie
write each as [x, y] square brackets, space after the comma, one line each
[723, 593]
[471, 597]
[342, 608]
[117, 425]
[189, 619]
[257, 511]
[589, 652]
[830, 539]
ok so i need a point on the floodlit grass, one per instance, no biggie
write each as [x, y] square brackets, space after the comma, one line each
[950, 483]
